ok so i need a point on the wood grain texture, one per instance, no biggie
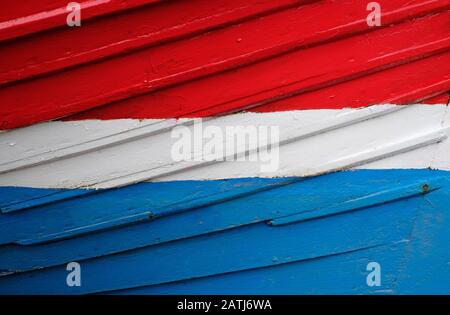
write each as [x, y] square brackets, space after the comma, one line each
[139, 28]
[310, 143]
[87, 175]
[23, 18]
[307, 70]
[174, 79]
[187, 260]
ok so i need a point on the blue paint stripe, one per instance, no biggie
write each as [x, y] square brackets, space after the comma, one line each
[378, 197]
[14, 195]
[328, 192]
[115, 207]
[334, 274]
[41, 198]
[248, 247]
[195, 233]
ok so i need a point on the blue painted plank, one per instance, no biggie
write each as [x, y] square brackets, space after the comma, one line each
[249, 209]
[334, 274]
[378, 197]
[58, 195]
[13, 195]
[121, 206]
[426, 263]
[248, 247]
[417, 266]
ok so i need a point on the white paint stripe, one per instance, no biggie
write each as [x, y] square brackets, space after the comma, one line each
[100, 137]
[101, 154]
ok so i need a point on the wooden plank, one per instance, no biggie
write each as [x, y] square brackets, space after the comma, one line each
[264, 246]
[125, 32]
[302, 71]
[420, 141]
[39, 100]
[227, 214]
[425, 78]
[360, 202]
[19, 18]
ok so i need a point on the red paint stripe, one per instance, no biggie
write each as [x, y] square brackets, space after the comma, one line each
[296, 72]
[17, 9]
[120, 78]
[145, 26]
[20, 18]
[408, 83]
[442, 98]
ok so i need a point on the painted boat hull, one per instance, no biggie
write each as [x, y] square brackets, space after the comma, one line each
[88, 176]
[343, 228]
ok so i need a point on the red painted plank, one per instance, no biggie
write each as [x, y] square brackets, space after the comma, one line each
[146, 26]
[442, 98]
[120, 78]
[20, 18]
[408, 83]
[15, 9]
[296, 72]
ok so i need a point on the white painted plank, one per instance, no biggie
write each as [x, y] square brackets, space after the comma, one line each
[101, 154]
